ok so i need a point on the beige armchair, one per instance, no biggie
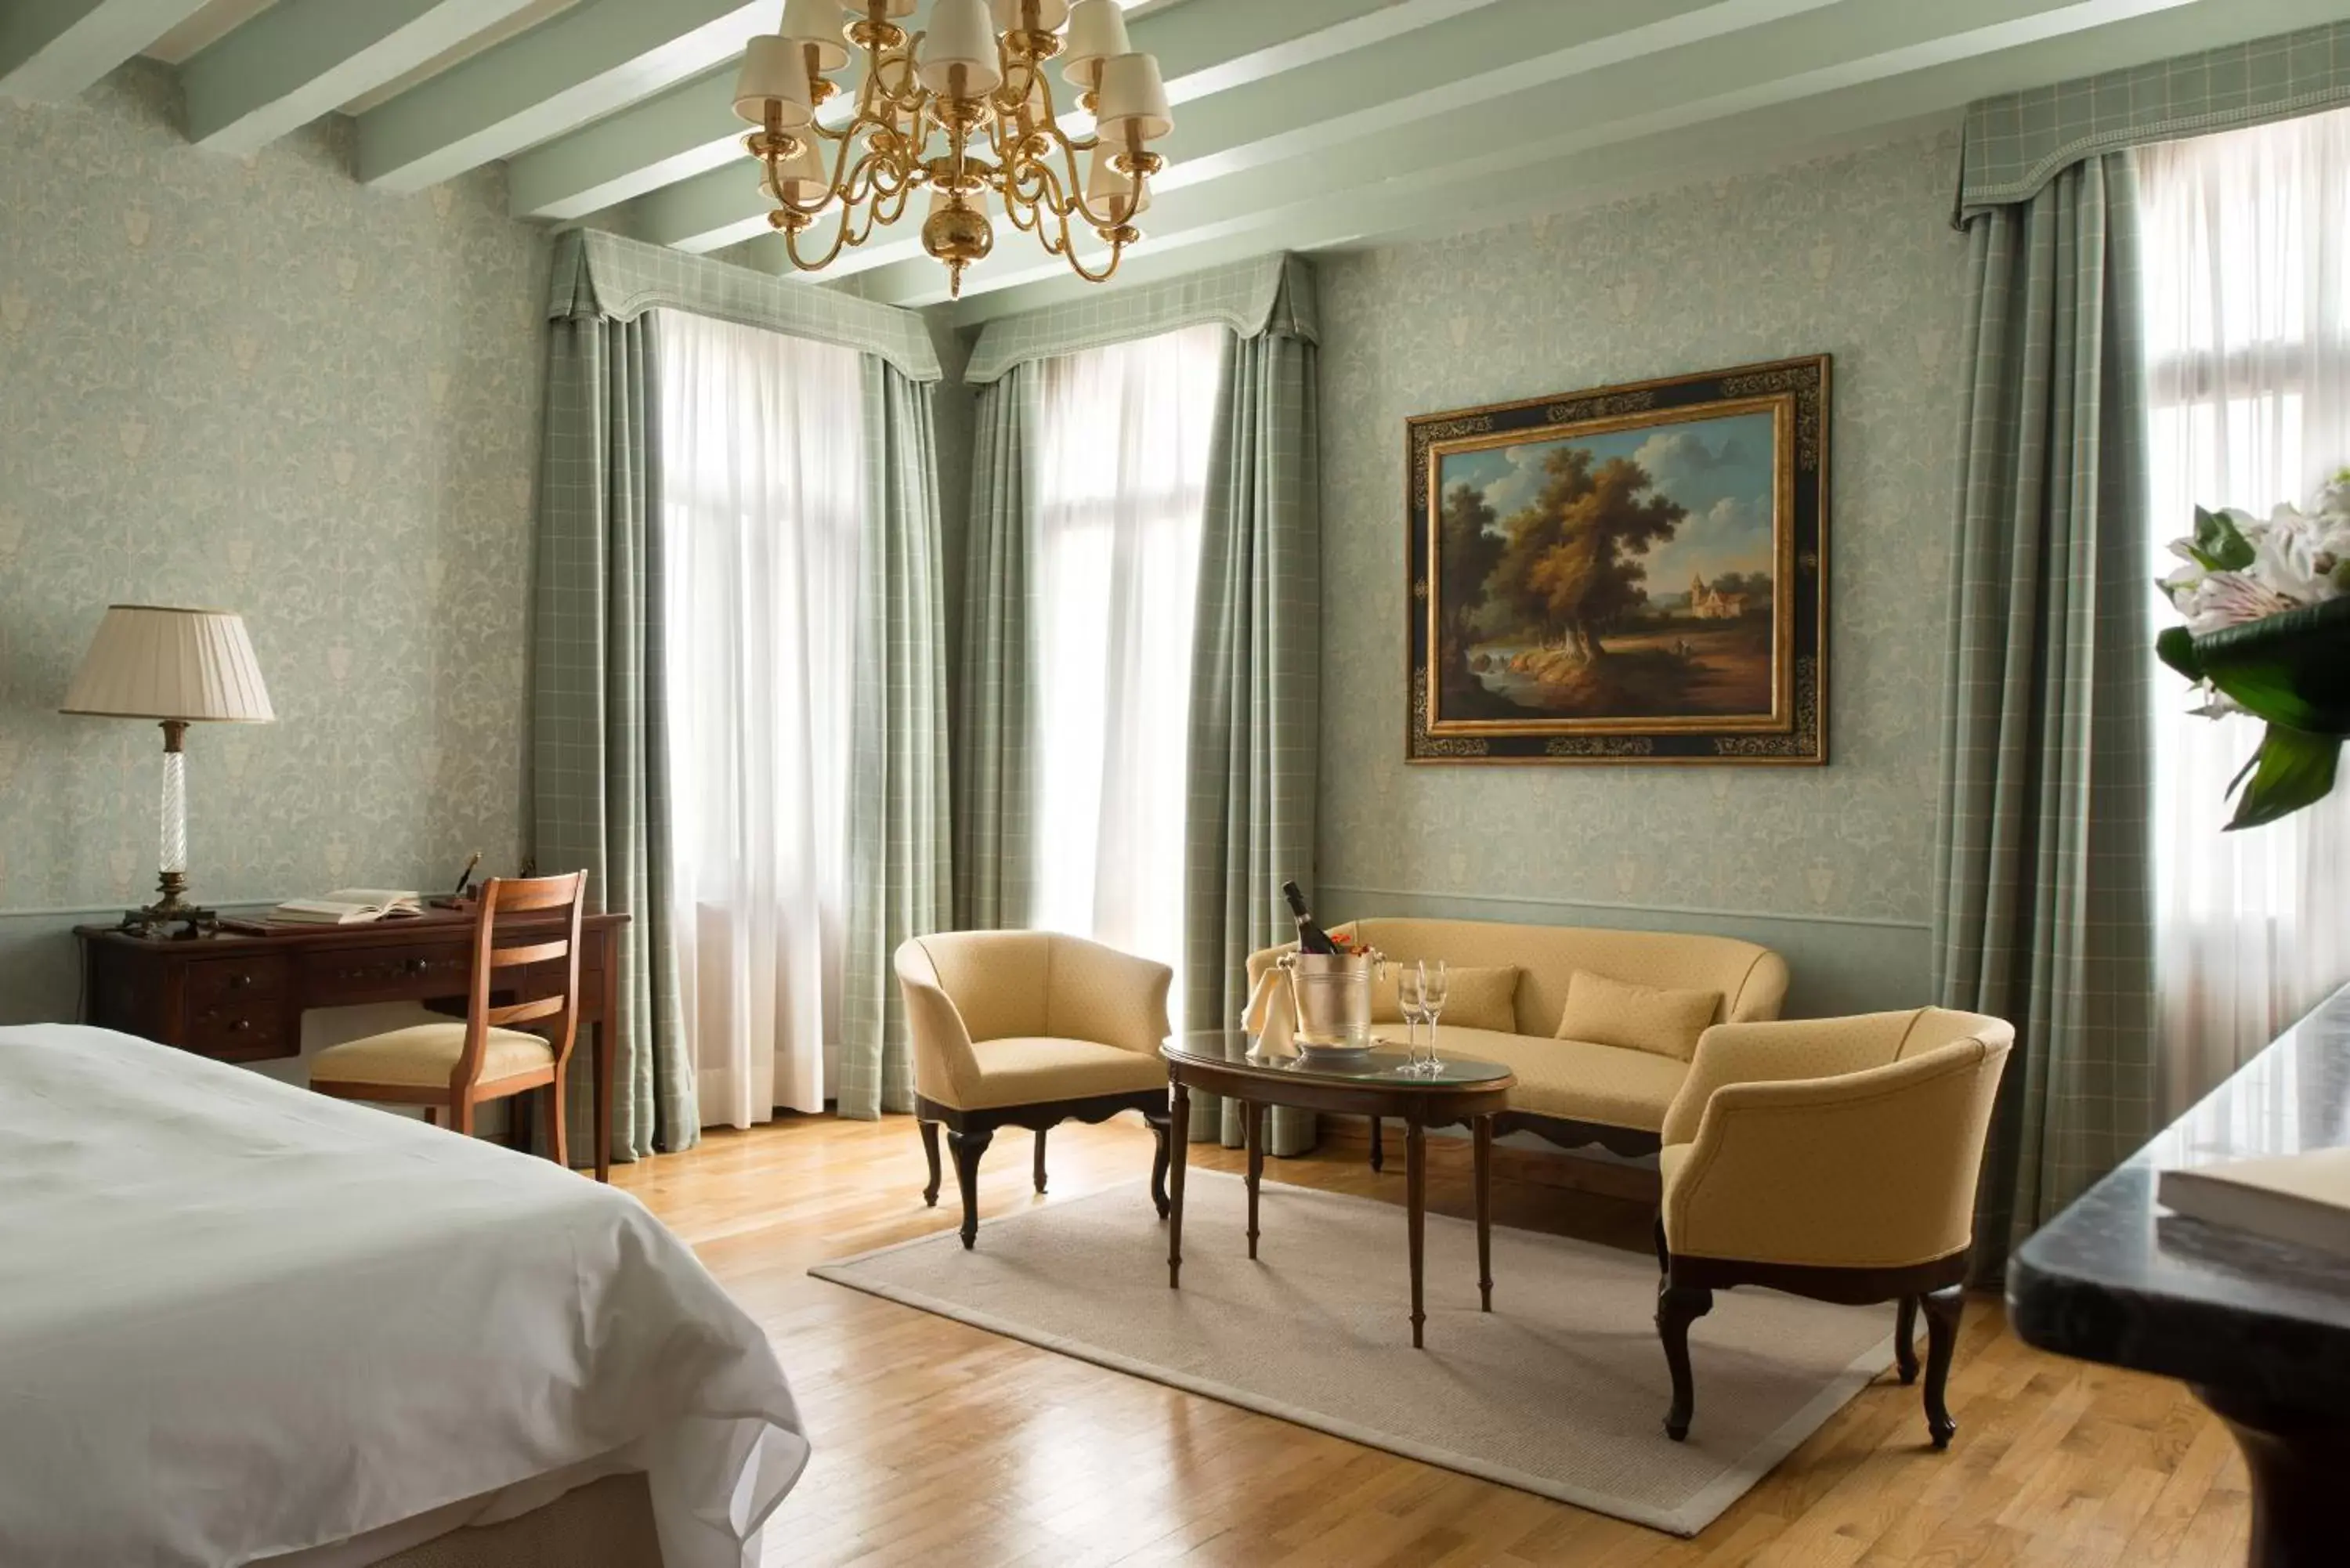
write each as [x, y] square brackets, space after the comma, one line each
[1833, 1158]
[1030, 1029]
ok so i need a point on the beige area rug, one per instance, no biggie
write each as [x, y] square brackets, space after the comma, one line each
[1561, 1390]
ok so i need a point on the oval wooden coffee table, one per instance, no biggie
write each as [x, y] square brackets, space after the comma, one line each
[1463, 1090]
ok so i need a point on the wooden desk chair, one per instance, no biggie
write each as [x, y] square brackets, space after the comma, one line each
[455, 1067]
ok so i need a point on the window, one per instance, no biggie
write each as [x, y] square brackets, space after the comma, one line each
[1121, 488]
[763, 483]
[2247, 246]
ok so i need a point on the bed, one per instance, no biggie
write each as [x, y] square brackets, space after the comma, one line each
[241, 1324]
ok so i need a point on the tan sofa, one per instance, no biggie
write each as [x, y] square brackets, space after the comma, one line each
[1573, 1092]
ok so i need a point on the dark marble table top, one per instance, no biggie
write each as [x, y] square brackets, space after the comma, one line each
[2117, 1278]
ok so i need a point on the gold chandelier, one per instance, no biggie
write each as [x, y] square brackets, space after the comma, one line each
[962, 111]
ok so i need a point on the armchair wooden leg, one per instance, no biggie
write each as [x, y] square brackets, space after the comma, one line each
[1905, 1339]
[967, 1148]
[1942, 1309]
[1678, 1306]
[1664, 1251]
[1040, 1159]
[1160, 1130]
[930, 1152]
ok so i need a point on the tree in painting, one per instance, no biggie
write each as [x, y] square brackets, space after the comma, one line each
[1472, 550]
[1571, 565]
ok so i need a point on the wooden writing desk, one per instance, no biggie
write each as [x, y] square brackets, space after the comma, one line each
[240, 998]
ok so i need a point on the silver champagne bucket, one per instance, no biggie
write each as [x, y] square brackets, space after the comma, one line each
[1330, 996]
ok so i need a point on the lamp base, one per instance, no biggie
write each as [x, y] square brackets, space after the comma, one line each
[156, 921]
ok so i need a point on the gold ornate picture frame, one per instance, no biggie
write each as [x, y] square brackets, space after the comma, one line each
[1633, 574]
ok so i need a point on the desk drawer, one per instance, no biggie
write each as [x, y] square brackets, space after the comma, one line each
[388, 974]
[217, 981]
[247, 1029]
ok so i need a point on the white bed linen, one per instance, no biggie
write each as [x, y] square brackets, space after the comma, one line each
[239, 1320]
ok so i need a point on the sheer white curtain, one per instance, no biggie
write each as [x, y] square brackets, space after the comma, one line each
[762, 448]
[1123, 482]
[2248, 301]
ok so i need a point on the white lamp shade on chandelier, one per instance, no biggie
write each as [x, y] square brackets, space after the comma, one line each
[1097, 33]
[1133, 108]
[1111, 193]
[957, 57]
[774, 77]
[817, 24]
[967, 103]
[190, 665]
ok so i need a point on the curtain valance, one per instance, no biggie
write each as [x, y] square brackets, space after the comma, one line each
[599, 273]
[2017, 143]
[1271, 294]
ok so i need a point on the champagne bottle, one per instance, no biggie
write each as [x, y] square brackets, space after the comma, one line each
[1311, 938]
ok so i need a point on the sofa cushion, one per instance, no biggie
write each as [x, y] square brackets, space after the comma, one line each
[1576, 1079]
[1636, 1017]
[1473, 998]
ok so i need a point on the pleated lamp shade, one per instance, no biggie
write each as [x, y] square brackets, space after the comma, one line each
[150, 662]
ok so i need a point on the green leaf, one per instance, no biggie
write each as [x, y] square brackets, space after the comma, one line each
[2220, 543]
[2175, 648]
[2296, 769]
[2290, 668]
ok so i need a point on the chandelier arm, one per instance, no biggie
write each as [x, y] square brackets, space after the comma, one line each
[840, 244]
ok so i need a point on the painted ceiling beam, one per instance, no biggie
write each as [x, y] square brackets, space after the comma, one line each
[1335, 102]
[1203, 46]
[1441, 200]
[1855, 42]
[55, 49]
[580, 64]
[303, 59]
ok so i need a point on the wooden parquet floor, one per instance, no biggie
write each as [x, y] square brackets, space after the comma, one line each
[936, 1443]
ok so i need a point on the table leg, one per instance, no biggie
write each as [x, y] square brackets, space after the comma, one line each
[1414, 1160]
[607, 1053]
[1485, 1212]
[1179, 1136]
[1379, 1155]
[2295, 1460]
[1252, 1119]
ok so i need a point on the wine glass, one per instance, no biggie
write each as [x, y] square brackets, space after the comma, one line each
[1408, 1002]
[1432, 988]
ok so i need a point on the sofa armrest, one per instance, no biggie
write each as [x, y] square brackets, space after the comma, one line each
[1763, 993]
[1869, 1169]
[945, 1068]
[1730, 1054]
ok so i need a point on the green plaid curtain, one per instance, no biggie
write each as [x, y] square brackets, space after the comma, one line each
[2043, 859]
[994, 790]
[1255, 692]
[900, 878]
[599, 783]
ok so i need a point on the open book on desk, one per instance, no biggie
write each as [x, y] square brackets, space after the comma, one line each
[349, 907]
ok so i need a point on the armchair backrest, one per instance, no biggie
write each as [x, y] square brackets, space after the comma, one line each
[1009, 984]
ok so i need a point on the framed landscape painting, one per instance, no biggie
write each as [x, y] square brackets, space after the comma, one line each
[1628, 575]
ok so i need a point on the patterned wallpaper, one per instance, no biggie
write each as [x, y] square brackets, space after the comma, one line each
[1851, 256]
[253, 383]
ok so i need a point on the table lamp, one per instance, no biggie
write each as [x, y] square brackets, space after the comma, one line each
[180, 666]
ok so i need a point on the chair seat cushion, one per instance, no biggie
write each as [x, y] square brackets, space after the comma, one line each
[1576, 1080]
[425, 1054]
[1026, 1069]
